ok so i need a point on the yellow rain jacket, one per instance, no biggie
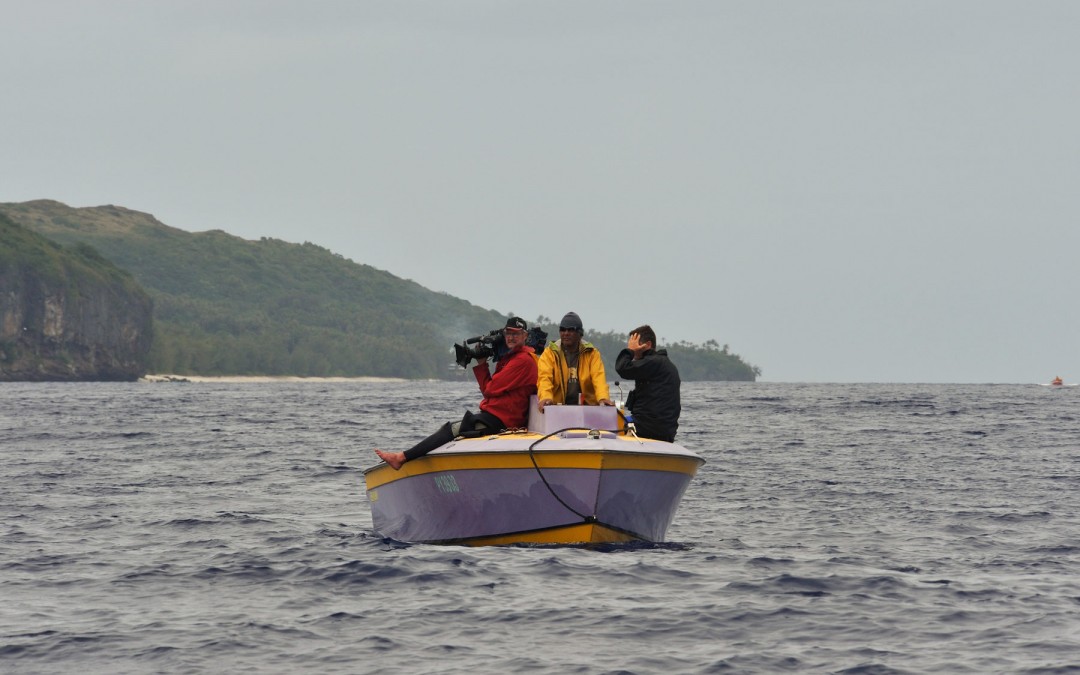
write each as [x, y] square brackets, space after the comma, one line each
[553, 374]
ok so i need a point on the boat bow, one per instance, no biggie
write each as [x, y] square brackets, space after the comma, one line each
[579, 483]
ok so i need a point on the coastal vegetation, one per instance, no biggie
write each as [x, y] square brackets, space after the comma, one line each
[224, 305]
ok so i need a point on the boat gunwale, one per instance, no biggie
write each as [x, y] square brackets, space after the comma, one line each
[662, 449]
[550, 460]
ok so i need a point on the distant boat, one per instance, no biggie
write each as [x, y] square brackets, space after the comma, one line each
[1057, 382]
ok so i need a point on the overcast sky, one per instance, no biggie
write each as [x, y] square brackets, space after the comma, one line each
[858, 191]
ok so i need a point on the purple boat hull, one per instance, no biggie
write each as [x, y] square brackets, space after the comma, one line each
[495, 490]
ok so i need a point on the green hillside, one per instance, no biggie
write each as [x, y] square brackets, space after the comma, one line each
[230, 306]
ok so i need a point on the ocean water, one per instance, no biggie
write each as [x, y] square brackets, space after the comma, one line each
[223, 527]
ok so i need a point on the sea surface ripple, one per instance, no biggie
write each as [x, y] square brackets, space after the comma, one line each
[223, 527]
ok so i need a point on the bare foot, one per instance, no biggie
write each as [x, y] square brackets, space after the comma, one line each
[394, 459]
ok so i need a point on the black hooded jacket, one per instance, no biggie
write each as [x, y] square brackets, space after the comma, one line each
[654, 401]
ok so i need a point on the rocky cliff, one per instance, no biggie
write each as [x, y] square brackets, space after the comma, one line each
[67, 315]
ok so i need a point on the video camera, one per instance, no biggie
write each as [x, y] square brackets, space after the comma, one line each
[493, 346]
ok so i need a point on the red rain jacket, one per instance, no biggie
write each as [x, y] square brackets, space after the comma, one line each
[506, 393]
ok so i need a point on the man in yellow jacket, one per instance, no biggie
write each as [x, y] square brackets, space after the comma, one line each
[571, 371]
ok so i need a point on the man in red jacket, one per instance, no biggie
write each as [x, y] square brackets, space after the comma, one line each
[506, 397]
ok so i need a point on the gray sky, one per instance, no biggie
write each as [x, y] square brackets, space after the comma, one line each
[841, 191]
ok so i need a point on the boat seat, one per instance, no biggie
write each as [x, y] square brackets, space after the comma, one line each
[584, 417]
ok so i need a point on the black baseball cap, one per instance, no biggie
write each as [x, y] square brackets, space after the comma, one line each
[517, 323]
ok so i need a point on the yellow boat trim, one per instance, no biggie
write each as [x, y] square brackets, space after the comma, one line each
[590, 459]
[580, 533]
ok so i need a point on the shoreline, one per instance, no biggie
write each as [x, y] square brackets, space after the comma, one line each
[242, 379]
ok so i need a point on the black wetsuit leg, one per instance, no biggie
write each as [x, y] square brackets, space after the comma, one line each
[441, 437]
[479, 424]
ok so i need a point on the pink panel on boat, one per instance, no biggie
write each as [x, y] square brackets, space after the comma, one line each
[556, 417]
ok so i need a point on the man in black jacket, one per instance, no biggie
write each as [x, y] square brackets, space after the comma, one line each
[654, 401]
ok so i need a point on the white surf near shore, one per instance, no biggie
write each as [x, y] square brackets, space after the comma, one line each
[241, 379]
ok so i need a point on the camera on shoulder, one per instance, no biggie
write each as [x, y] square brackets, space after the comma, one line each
[493, 345]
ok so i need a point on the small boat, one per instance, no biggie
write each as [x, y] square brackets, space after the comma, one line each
[573, 477]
